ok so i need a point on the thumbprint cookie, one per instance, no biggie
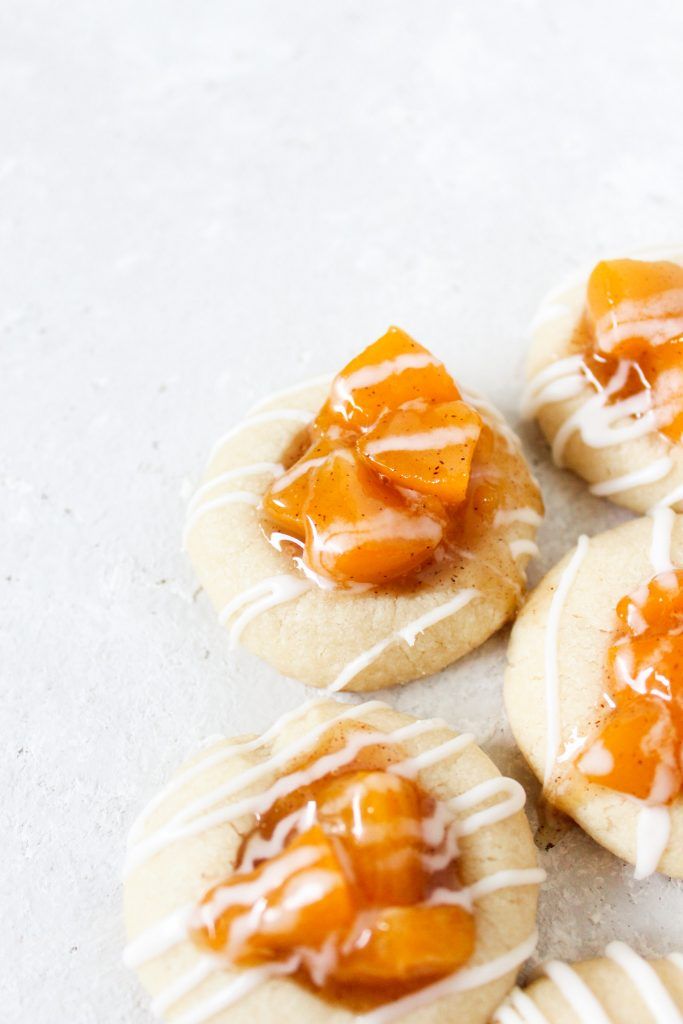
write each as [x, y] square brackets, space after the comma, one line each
[594, 689]
[351, 864]
[367, 532]
[606, 379]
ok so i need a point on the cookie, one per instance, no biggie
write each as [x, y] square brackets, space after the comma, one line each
[619, 988]
[362, 635]
[607, 746]
[192, 836]
[605, 420]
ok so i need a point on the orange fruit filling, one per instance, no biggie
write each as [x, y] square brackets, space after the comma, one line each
[639, 750]
[388, 465]
[634, 312]
[347, 895]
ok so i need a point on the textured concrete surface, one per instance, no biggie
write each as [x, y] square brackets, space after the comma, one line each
[200, 203]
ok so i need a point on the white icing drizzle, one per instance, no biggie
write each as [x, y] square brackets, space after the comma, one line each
[439, 437]
[260, 598]
[293, 389]
[504, 517]
[409, 633]
[237, 988]
[368, 376]
[232, 498]
[519, 1009]
[672, 498]
[583, 1002]
[274, 469]
[647, 474]
[509, 878]
[595, 418]
[653, 828]
[515, 798]
[183, 985]
[550, 642]
[175, 829]
[523, 547]
[463, 980]
[156, 940]
[173, 929]
[224, 753]
[555, 382]
[303, 416]
[660, 548]
[648, 983]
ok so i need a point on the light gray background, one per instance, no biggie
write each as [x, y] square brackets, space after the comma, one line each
[200, 202]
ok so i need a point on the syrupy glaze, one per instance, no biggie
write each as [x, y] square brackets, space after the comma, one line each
[632, 333]
[394, 474]
[639, 750]
[348, 878]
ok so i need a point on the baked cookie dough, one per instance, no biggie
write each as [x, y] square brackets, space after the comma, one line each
[189, 837]
[614, 447]
[354, 639]
[619, 988]
[555, 685]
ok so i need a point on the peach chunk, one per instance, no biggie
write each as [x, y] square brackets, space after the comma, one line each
[634, 305]
[657, 605]
[392, 371]
[636, 752]
[359, 528]
[409, 944]
[298, 898]
[284, 500]
[427, 448]
[377, 817]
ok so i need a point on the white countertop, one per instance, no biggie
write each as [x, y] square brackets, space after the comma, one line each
[200, 203]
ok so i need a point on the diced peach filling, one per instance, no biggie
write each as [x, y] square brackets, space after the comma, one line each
[390, 457]
[639, 751]
[347, 896]
[634, 312]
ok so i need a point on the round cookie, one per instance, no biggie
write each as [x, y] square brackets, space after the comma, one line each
[622, 460]
[339, 639]
[554, 682]
[189, 836]
[619, 988]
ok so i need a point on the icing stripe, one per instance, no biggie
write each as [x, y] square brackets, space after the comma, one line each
[523, 547]
[576, 992]
[515, 800]
[649, 474]
[225, 753]
[504, 517]
[550, 654]
[672, 498]
[525, 1009]
[260, 598]
[660, 547]
[183, 985]
[653, 828]
[251, 469]
[409, 633]
[648, 983]
[174, 830]
[235, 990]
[232, 498]
[677, 960]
